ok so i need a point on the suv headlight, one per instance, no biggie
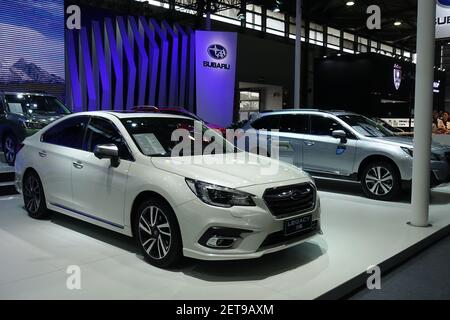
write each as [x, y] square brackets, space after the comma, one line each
[410, 152]
[220, 196]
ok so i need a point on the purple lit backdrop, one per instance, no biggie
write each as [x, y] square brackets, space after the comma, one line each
[118, 62]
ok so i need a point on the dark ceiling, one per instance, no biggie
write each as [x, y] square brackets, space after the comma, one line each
[333, 13]
[354, 18]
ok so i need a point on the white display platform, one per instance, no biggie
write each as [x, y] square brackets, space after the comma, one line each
[358, 233]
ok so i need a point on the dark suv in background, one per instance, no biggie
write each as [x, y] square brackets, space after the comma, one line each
[23, 114]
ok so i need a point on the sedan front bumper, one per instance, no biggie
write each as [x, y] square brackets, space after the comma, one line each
[261, 233]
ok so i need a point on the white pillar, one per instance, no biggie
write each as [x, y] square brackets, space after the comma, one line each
[298, 54]
[423, 112]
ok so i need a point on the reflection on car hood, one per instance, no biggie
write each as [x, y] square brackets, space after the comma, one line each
[42, 118]
[409, 142]
[229, 170]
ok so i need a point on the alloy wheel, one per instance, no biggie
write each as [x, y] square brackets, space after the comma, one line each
[32, 194]
[154, 232]
[10, 149]
[379, 181]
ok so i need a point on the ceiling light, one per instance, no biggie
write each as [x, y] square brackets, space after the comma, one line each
[397, 23]
[277, 7]
[350, 3]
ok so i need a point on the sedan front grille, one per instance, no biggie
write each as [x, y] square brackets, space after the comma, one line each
[291, 200]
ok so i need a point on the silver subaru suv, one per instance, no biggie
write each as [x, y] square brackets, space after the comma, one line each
[341, 145]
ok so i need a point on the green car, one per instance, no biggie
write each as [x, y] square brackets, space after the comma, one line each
[22, 115]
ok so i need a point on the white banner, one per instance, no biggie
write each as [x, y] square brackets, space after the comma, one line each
[442, 19]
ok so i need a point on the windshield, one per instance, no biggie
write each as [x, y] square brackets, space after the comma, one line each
[33, 104]
[172, 137]
[387, 126]
[365, 126]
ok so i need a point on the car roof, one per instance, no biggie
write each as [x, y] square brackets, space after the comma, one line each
[298, 111]
[131, 115]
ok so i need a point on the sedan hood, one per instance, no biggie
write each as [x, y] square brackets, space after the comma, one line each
[229, 170]
[409, 142]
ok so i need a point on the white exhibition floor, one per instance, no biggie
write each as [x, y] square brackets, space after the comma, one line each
[358, 233]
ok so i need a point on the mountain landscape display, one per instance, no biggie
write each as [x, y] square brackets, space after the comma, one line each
[27, 72]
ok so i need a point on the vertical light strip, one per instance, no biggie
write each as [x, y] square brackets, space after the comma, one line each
[117, 65]
[173, 83]
[143, 60]
[75, 89]
[154, 60]
[164, 53]
[104, 78]
[87, 64]
[183, 65]
[129, 55]
[191, 81]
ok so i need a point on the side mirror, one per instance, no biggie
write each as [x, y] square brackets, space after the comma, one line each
[108, 151]
[340, 134]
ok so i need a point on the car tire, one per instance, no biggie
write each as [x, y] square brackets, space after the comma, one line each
[34, 196]
[157, 233]
[380, 180]
[9, 145]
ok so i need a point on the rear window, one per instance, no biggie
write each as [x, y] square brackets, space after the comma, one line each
[267, 123]
[294, 123]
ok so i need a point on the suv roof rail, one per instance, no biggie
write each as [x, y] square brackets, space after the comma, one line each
[41, 92]
[307, 110]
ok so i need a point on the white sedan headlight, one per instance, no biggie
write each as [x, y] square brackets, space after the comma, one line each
[220, 196]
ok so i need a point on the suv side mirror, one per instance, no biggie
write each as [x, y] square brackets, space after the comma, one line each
[108, 151]
[340, 134]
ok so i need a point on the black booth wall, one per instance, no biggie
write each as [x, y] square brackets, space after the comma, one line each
[365, 84]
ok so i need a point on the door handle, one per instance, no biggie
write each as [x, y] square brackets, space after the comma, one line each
[42, 154]
[309, 143]
[78, 165]
[285, 145]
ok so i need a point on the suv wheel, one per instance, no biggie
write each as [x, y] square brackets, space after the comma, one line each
[34, 197]
[9, 149]
[381, 181]
[157, 233]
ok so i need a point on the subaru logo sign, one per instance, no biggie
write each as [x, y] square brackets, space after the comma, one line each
[444, 3]
[298, 195]
[217, 51]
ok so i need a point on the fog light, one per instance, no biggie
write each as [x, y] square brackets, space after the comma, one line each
[220, 242]
[222, 237]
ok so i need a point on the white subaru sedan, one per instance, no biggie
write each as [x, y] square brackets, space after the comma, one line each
[177, 191]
